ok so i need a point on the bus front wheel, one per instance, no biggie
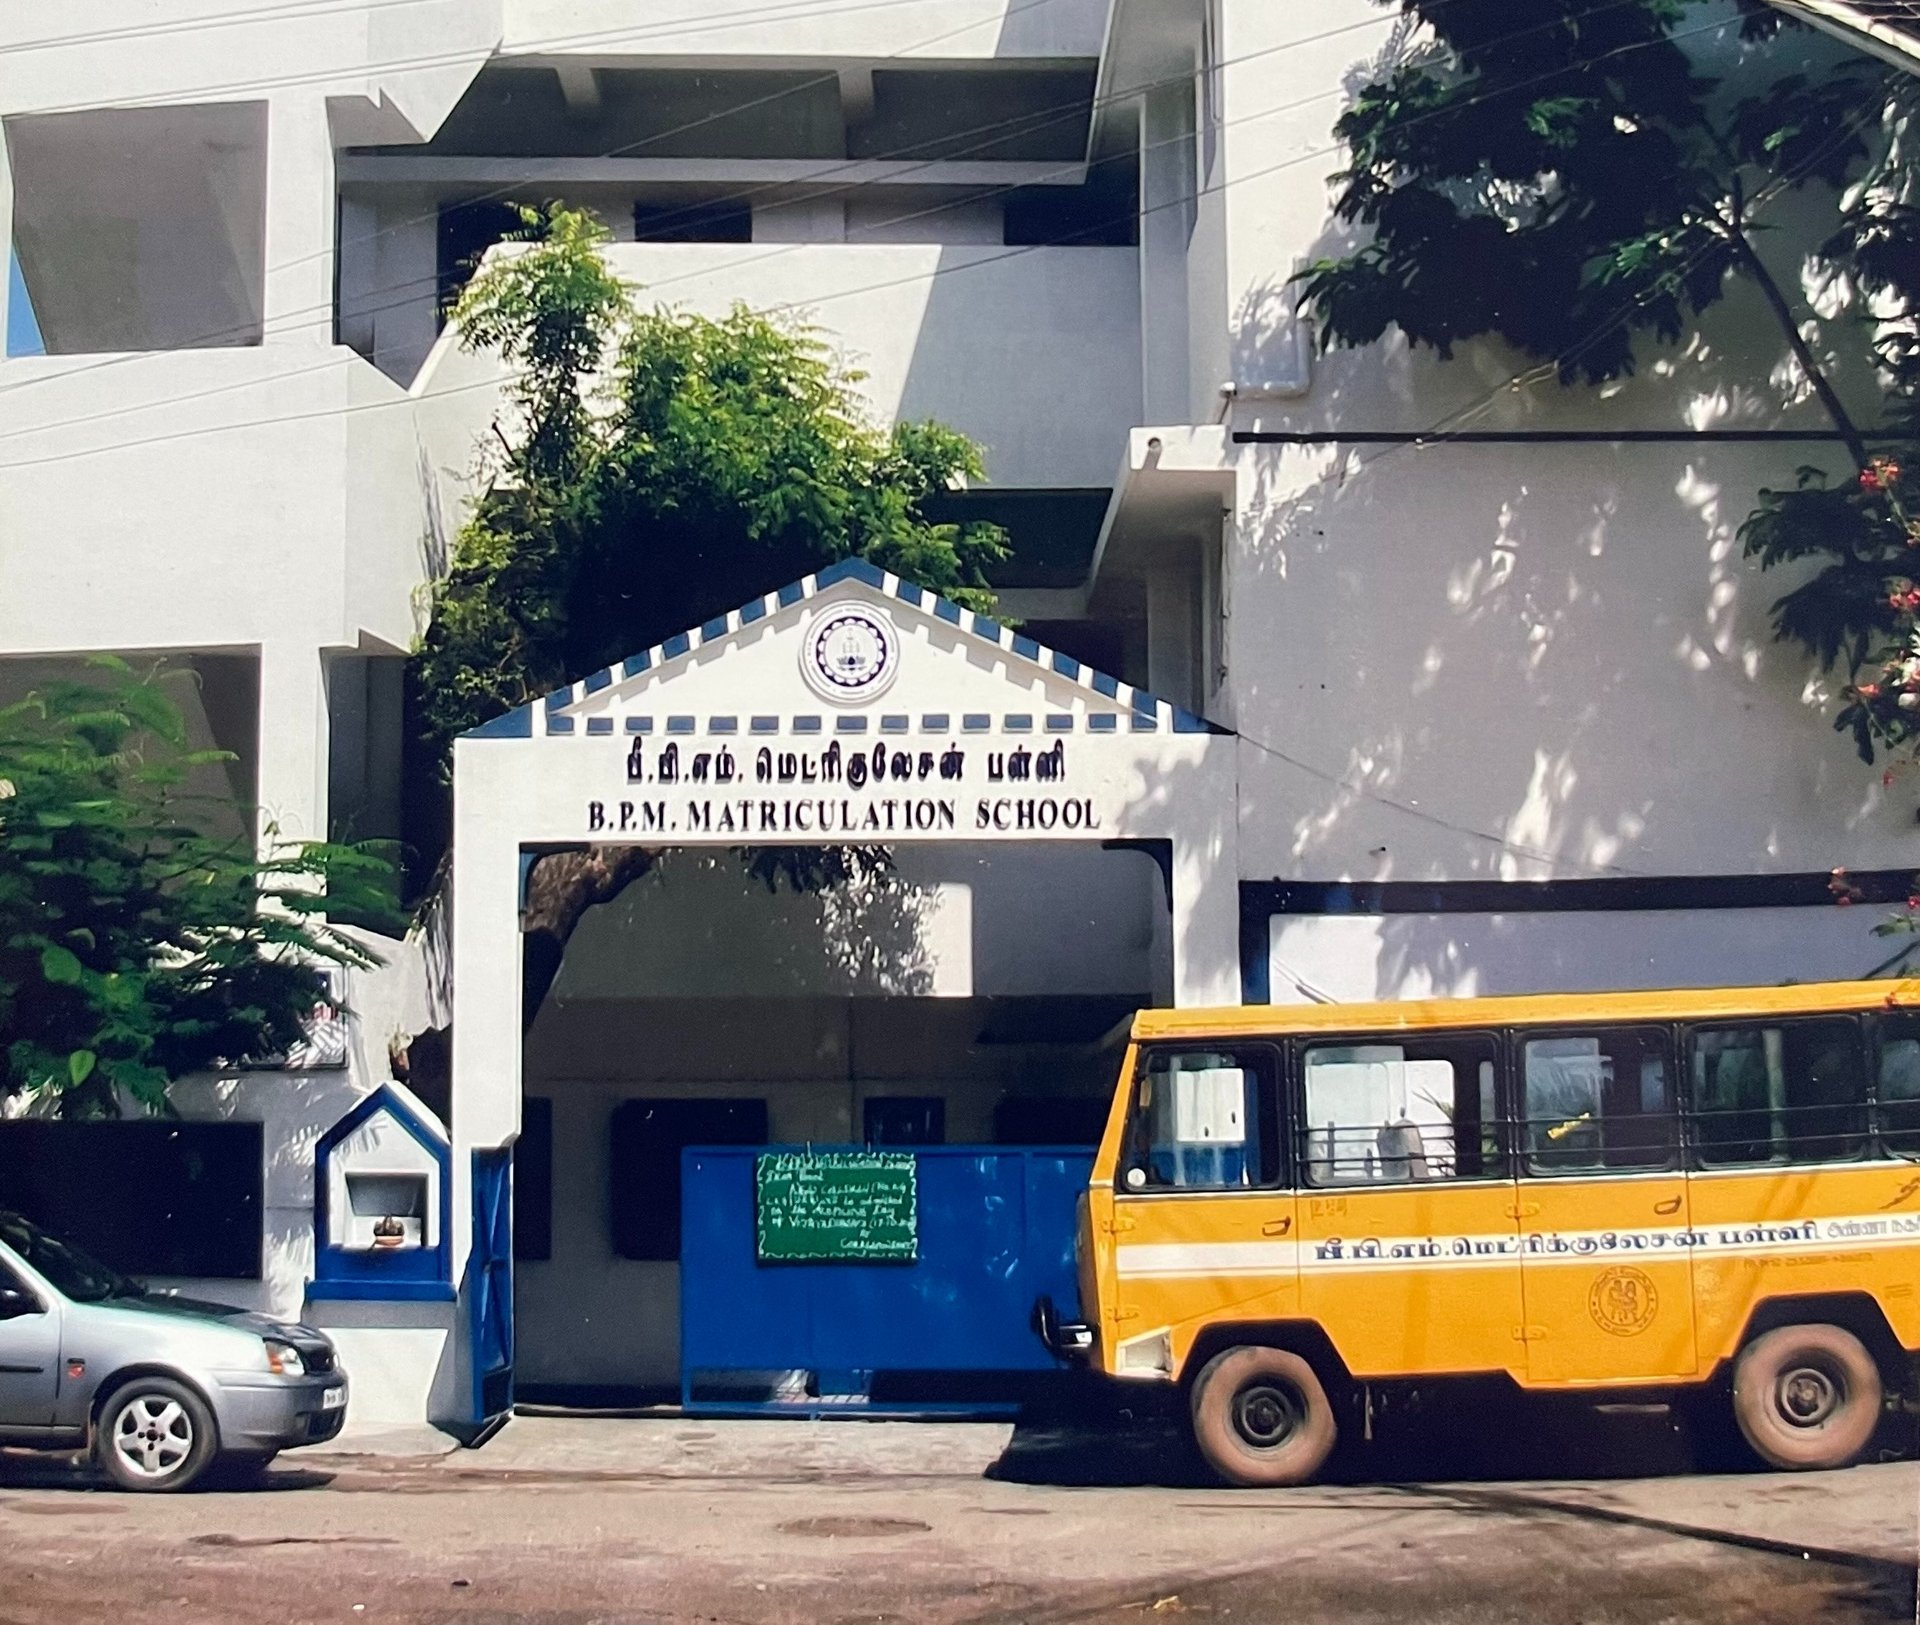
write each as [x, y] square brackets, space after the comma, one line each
[1262, 1417]
[1807, 1396]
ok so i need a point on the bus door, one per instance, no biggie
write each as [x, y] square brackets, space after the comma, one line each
[1201, 1224]
[1409, 1241]
[1605, 1223]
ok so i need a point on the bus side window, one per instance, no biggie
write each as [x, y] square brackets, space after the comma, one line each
[1792, 1092]
[1392, 1113]
[1599, 1100]
[1899, 1085]
[1200, 1121]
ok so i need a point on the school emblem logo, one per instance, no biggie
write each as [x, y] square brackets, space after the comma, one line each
[1623, 1301]
[851, 654]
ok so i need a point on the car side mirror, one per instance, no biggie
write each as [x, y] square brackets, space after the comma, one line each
[14, 1303]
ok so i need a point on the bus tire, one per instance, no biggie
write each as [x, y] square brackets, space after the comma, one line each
[1261, 1417]
[1807, 1397]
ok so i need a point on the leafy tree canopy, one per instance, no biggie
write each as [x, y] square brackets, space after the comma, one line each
[134, 947]
[656, 467]
[653, 468]
[1565, 176]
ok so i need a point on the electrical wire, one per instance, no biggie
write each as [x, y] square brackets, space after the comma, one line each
[1183, 201]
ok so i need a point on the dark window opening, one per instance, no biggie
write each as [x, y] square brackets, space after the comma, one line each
[145, 1198]
[643, 1166]
[1103, 213]
[467, 231]
[533, 1182]
[1049, 1120]
[1795, 1092]
[710, 220]
[1598, 1101]
[903, 1120]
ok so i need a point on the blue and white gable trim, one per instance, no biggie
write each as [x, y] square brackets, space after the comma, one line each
[1097, 703]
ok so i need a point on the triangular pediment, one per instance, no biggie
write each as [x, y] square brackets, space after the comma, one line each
[849, 650]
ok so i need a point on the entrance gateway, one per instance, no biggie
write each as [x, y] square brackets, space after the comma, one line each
[848, 708]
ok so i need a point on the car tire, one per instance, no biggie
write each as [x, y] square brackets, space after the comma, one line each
[155, 1436]
[1807, 1397]
[1261, 1417]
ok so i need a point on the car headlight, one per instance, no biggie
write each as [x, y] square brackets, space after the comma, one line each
[283, 1359]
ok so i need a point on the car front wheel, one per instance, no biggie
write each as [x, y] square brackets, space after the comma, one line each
[155, 1435]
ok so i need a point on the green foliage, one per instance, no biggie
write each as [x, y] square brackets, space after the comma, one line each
[1563, 177]
[133, 946]
[658, 467]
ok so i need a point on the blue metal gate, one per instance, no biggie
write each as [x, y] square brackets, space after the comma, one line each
[996, 1231]
[490, 1286]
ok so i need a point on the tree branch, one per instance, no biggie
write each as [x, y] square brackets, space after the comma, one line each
[561, 887]
[1802, 351]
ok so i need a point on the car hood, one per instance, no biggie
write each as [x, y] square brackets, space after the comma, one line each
[175, 1307]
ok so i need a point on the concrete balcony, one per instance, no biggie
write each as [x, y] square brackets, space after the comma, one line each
[1035, 353]
[207, 498]
[799, 30]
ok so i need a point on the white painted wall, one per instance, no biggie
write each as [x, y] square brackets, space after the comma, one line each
[1553, 660]
[962, 29]
[1033, 352]
[949, 922]
[1359, 957]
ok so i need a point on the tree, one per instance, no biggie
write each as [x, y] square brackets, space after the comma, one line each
[650, 469]
[1598, 182]
[134, 947]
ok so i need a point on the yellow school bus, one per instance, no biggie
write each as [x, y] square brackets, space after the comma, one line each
[1712, 1196]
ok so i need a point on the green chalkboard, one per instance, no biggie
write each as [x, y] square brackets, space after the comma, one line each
[843, 1206]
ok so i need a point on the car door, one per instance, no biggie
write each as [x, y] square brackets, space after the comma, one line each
[1201, 1221]
[1409, 1236]
[29, 1352]
[1608, 1266]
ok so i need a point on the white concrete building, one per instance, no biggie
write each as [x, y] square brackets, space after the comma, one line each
[1494, 714]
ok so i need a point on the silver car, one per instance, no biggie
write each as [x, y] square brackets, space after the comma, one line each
[158, 1388]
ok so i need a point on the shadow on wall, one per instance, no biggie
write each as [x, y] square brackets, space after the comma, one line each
[698, 924]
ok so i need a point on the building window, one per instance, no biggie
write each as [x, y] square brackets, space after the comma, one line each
[1789, 1093]
[467, 231]
[1386, 1114]
[1899, 1087]
[533, 1182]
[1203, 1120]
[707, 220]
[643, 1165]
[1067, 1120]
[903, 1120]
[1598, 1101]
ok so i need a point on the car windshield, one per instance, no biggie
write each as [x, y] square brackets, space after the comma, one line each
[68, 1270]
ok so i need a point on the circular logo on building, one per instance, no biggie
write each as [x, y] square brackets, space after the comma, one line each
[1623, 1301]
[850, 654]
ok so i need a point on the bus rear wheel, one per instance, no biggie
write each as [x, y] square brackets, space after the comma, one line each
[1261, 1416]
[1807, 1396]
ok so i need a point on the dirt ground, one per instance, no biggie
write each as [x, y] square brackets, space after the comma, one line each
[577, 1522]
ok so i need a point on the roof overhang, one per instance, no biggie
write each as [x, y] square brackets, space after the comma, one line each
[1888, 31]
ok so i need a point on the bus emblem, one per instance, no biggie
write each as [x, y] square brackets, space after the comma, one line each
[1623, 1301]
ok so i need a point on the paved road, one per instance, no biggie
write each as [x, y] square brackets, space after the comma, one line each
[569, 1522]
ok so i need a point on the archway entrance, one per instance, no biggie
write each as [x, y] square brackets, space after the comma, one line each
[849, 708]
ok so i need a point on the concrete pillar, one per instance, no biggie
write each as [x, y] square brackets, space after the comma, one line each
[300, 222]
[1167, 202]
[1173, 653]
[1206, 911]
[293, 743]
